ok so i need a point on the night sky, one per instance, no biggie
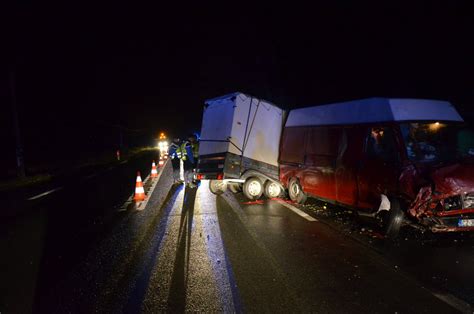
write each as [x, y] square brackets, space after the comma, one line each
[84, 73]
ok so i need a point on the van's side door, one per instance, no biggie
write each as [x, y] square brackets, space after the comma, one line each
[351, 150]
[379, 168]
[320, 162]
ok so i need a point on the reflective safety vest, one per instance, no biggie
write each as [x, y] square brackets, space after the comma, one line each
[186, 150]
[195, 148]
[174, 151]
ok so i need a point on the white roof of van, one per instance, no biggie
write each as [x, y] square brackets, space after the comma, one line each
[371, 110]
[226, 97]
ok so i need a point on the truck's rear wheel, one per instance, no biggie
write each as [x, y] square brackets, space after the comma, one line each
[296, 192]
[253, 188]
[234, 187]
[272, 189]
[393, 219]
[217, 186]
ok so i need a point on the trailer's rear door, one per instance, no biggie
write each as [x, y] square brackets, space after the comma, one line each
[216, 127]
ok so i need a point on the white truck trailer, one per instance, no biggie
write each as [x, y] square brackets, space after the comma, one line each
[239, 146]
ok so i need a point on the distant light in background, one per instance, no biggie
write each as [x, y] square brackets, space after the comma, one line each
[163, 146]
[162, 143]
[435, 126]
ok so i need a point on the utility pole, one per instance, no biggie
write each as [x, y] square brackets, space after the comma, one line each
[20, 164]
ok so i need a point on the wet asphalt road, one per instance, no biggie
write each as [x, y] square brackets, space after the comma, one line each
[441, 262]
[42, 239]
[190, 250]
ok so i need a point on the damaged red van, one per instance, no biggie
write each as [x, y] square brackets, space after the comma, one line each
[385, 158]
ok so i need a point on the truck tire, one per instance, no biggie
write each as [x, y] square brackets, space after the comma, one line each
[272, 189]
[235, 187]
[253, 188]
[217, 187]
[295, 191]
[393, 219]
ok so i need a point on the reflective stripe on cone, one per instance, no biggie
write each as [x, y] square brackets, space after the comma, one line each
[139, 190]
[154, 173]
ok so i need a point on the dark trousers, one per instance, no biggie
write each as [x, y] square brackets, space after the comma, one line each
[188, 171]
[175, 164]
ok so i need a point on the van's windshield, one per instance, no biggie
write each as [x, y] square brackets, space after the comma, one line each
[437, 141]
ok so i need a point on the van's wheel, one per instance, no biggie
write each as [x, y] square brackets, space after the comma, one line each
[253, 188]
[393, 219]
[296, 192]
[235, 187]
[272, 189]
[217, 186]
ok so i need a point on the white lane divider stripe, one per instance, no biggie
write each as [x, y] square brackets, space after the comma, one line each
[44, 194]
[458, 304]
[296, 210]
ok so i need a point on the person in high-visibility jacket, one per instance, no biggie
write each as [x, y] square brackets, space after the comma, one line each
[175, 154]
[188, 162]
[195, 149]
[192, 139]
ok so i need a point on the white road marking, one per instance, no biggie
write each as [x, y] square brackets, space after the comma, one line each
[44, 194]
[450, 299]
[458, 304]
[297, 211]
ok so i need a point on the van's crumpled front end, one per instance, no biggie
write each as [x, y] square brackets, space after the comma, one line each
[448, 206]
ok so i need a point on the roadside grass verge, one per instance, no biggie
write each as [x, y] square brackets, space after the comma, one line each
[40, 174]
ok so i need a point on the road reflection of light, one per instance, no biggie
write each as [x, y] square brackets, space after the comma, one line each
[175, 202]
[166, 253]
[271, 215]
[224, 278]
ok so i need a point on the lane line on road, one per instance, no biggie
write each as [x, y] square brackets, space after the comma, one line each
[297, 211]
[44, 194]
[266, 255]
[457, 303]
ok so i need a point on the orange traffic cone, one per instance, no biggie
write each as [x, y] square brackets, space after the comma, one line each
[161, 162]
[154, 173]
[139, 191]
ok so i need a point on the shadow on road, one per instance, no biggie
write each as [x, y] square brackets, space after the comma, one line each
[177, 295]
[142, 265]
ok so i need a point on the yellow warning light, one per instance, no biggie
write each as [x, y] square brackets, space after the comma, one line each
[162, 136]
